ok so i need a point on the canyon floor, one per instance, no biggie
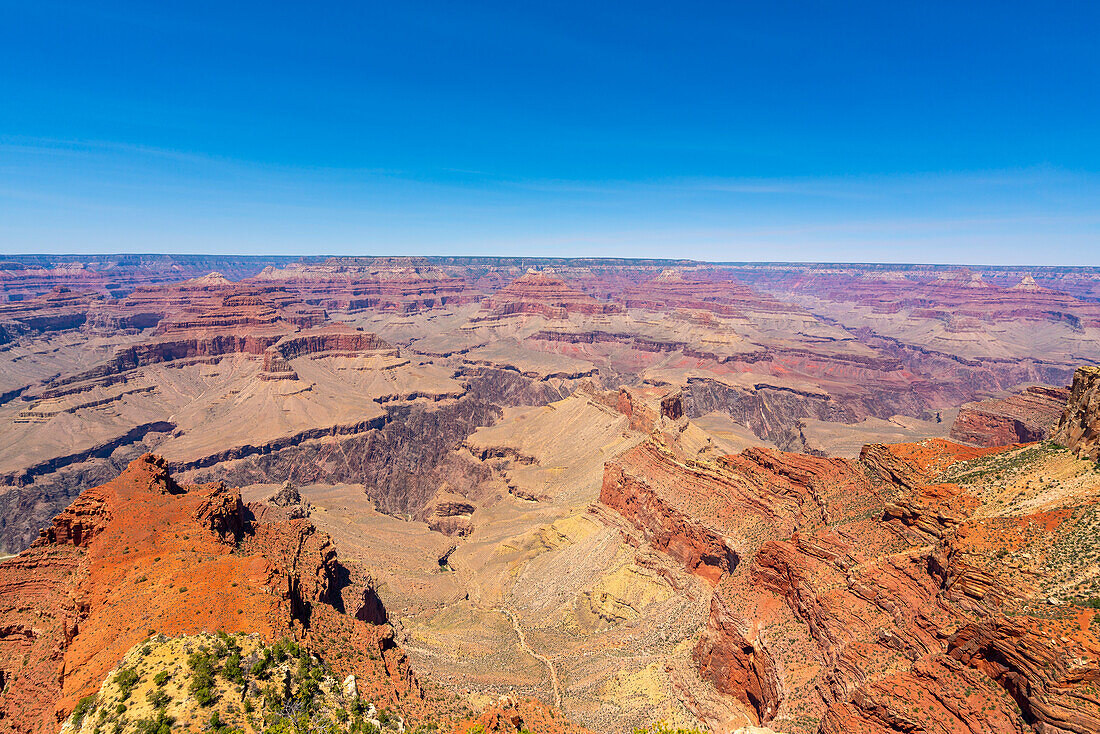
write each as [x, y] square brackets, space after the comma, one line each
[803, 497]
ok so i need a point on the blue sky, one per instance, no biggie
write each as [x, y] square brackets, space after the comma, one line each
[947, 132]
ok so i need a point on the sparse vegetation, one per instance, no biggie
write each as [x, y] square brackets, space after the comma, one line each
[664, 728]
[1000, 466]
[83, 707]
[239, 684]
[126, 679]
[162, 724]
[202, 677]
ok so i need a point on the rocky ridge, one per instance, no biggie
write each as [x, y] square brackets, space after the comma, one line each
[546, 294]
[879, 595]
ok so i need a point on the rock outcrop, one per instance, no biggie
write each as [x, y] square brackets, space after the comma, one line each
[1079, 426]
[23, 277]
[143, 553]
[1029, 415]
[702, 290]
[702, 550]
[396, 285]
[545, 294]
[881, 595]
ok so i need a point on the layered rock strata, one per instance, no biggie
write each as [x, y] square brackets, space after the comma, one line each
[545, 294]
[1029, 415]
[881, 594]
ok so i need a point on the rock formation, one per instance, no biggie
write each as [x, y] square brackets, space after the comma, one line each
[709, 290]
[141, 554]
[1029, 415]
[544, 462]
[872, 595]
[388, 285]
[1079, 426]
[546, 294]
[23, 277]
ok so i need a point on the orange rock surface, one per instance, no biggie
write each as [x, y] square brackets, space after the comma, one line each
[1029, 415]
[141, 554]
[872, 595]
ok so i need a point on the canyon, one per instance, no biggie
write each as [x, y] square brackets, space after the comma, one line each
[558, 495]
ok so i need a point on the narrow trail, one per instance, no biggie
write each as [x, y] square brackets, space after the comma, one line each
[527, 648]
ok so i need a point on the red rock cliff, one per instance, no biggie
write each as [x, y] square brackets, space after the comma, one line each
[141, 553]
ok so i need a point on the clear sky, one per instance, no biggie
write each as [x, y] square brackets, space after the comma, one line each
[958, 131]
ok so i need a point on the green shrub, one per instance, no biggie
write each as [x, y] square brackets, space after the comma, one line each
[160, 725]
[126, 679]
[259, 668]
[202, 677]
[232, 669]
[158, 698]
[83, 707]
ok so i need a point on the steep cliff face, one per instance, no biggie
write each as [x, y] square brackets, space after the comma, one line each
[197, 346]
[773, 414]
[1079, 426]
[142, 553]
[402, 460]
[702, 550]
[390, 285]
[737, 665]
[704, 290]
[1029, 415]
[31, 502]
[889, 594]
[1053, 684]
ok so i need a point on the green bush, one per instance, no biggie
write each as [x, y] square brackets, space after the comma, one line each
[160, 725]
[83, 707]
[158, 698]
[232, 669]
[126, 679]
[202, 677]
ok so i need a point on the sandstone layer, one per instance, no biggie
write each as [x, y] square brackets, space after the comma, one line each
[1030, 415]
[883, 595]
